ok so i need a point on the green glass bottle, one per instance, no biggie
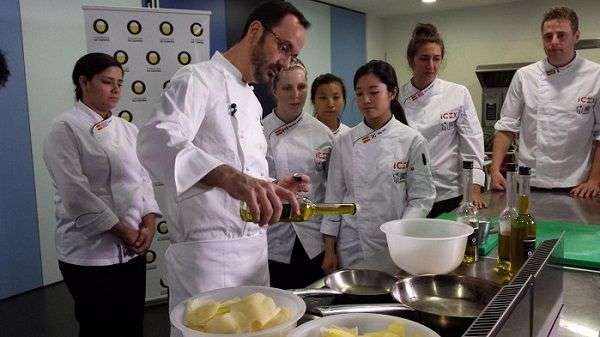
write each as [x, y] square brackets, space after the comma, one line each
[523, 229]
[308, 210]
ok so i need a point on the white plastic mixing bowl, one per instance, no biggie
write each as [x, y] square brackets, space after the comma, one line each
[426, 246]
[365, 323]
[282, 298]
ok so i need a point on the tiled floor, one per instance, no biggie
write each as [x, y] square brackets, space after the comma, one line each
[48, 312]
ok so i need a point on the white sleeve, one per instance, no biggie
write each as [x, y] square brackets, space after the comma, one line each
[512, 109]
[165, 146]
[335, 188]
[63, 161]
[596, 130]
[420, 190]
[470, 138]
[149, 201]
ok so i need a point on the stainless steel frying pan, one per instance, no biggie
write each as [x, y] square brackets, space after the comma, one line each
[355, 282]
[440, 301]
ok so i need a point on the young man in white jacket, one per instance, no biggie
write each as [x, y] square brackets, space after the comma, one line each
[206, 144]
[553, 106]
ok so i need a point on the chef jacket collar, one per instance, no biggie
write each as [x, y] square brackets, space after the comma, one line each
[336, 131]
[416, 93]
[283, 126]
[90, 116]
[551, 69]
[366, 134]
[228, 66]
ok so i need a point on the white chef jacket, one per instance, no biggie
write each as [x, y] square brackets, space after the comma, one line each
[98, 181]
[445, 115]
[190, 135]
[301, 146]
[556, 114]
[206, 118]
[387, 173]
[341, 129]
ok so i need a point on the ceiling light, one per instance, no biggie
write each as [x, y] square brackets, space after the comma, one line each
[428, 1]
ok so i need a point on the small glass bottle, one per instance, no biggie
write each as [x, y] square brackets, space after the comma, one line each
[506, 217]
[523, 228]
[308, 210]
[467, 213]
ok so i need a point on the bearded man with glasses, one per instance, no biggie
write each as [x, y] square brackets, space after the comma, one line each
[205, 144]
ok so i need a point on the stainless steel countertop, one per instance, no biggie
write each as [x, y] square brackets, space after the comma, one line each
[581, 313]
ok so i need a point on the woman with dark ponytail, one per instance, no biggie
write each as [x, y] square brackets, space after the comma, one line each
[382, 164]
[443, 112]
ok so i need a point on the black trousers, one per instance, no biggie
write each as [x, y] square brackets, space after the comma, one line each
[444, 206]
[109, 300]
[300, 272]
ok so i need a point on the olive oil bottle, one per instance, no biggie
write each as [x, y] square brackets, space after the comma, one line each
[308, 210]
[522, 231]
[467, 213]
[506, 217]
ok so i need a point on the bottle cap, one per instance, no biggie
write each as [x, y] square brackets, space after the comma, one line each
[511, 167]
[467, 164]
[524, 170]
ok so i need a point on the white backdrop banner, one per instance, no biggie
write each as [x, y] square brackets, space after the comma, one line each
[151, 44]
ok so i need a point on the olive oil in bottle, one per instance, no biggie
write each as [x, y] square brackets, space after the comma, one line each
[308, 210]
[522, 231]
[506, 217]
[467, 213]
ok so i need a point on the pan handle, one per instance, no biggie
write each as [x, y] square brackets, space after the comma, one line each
[315, 292]
[375, 308]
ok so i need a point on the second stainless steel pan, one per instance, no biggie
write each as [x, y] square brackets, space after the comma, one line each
[441, 301]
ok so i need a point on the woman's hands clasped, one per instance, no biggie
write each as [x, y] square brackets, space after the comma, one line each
[138, 241]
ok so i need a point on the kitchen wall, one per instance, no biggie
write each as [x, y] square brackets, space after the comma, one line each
[20, 264]
[375, 38]
[348, 32]
[486, 35]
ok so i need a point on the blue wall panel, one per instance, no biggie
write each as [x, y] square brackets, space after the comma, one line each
[348, 52]
[218, 34]
[20, 261]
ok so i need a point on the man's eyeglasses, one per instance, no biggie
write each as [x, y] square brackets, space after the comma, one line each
[285, 47]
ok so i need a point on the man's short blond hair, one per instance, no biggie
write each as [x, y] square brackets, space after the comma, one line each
[562, 13]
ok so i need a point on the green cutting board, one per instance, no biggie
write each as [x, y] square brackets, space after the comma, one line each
[581, 242]
[487, 246]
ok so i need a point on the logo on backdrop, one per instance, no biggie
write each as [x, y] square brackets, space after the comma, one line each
[184, 58]
[150, 256]
[196, 29]
[166, 84]
[153, 57]
[121, 57]
[100, 26]
[134, 27]
[166, 28]
[138, 87]
[126, 115]
[162, 227]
